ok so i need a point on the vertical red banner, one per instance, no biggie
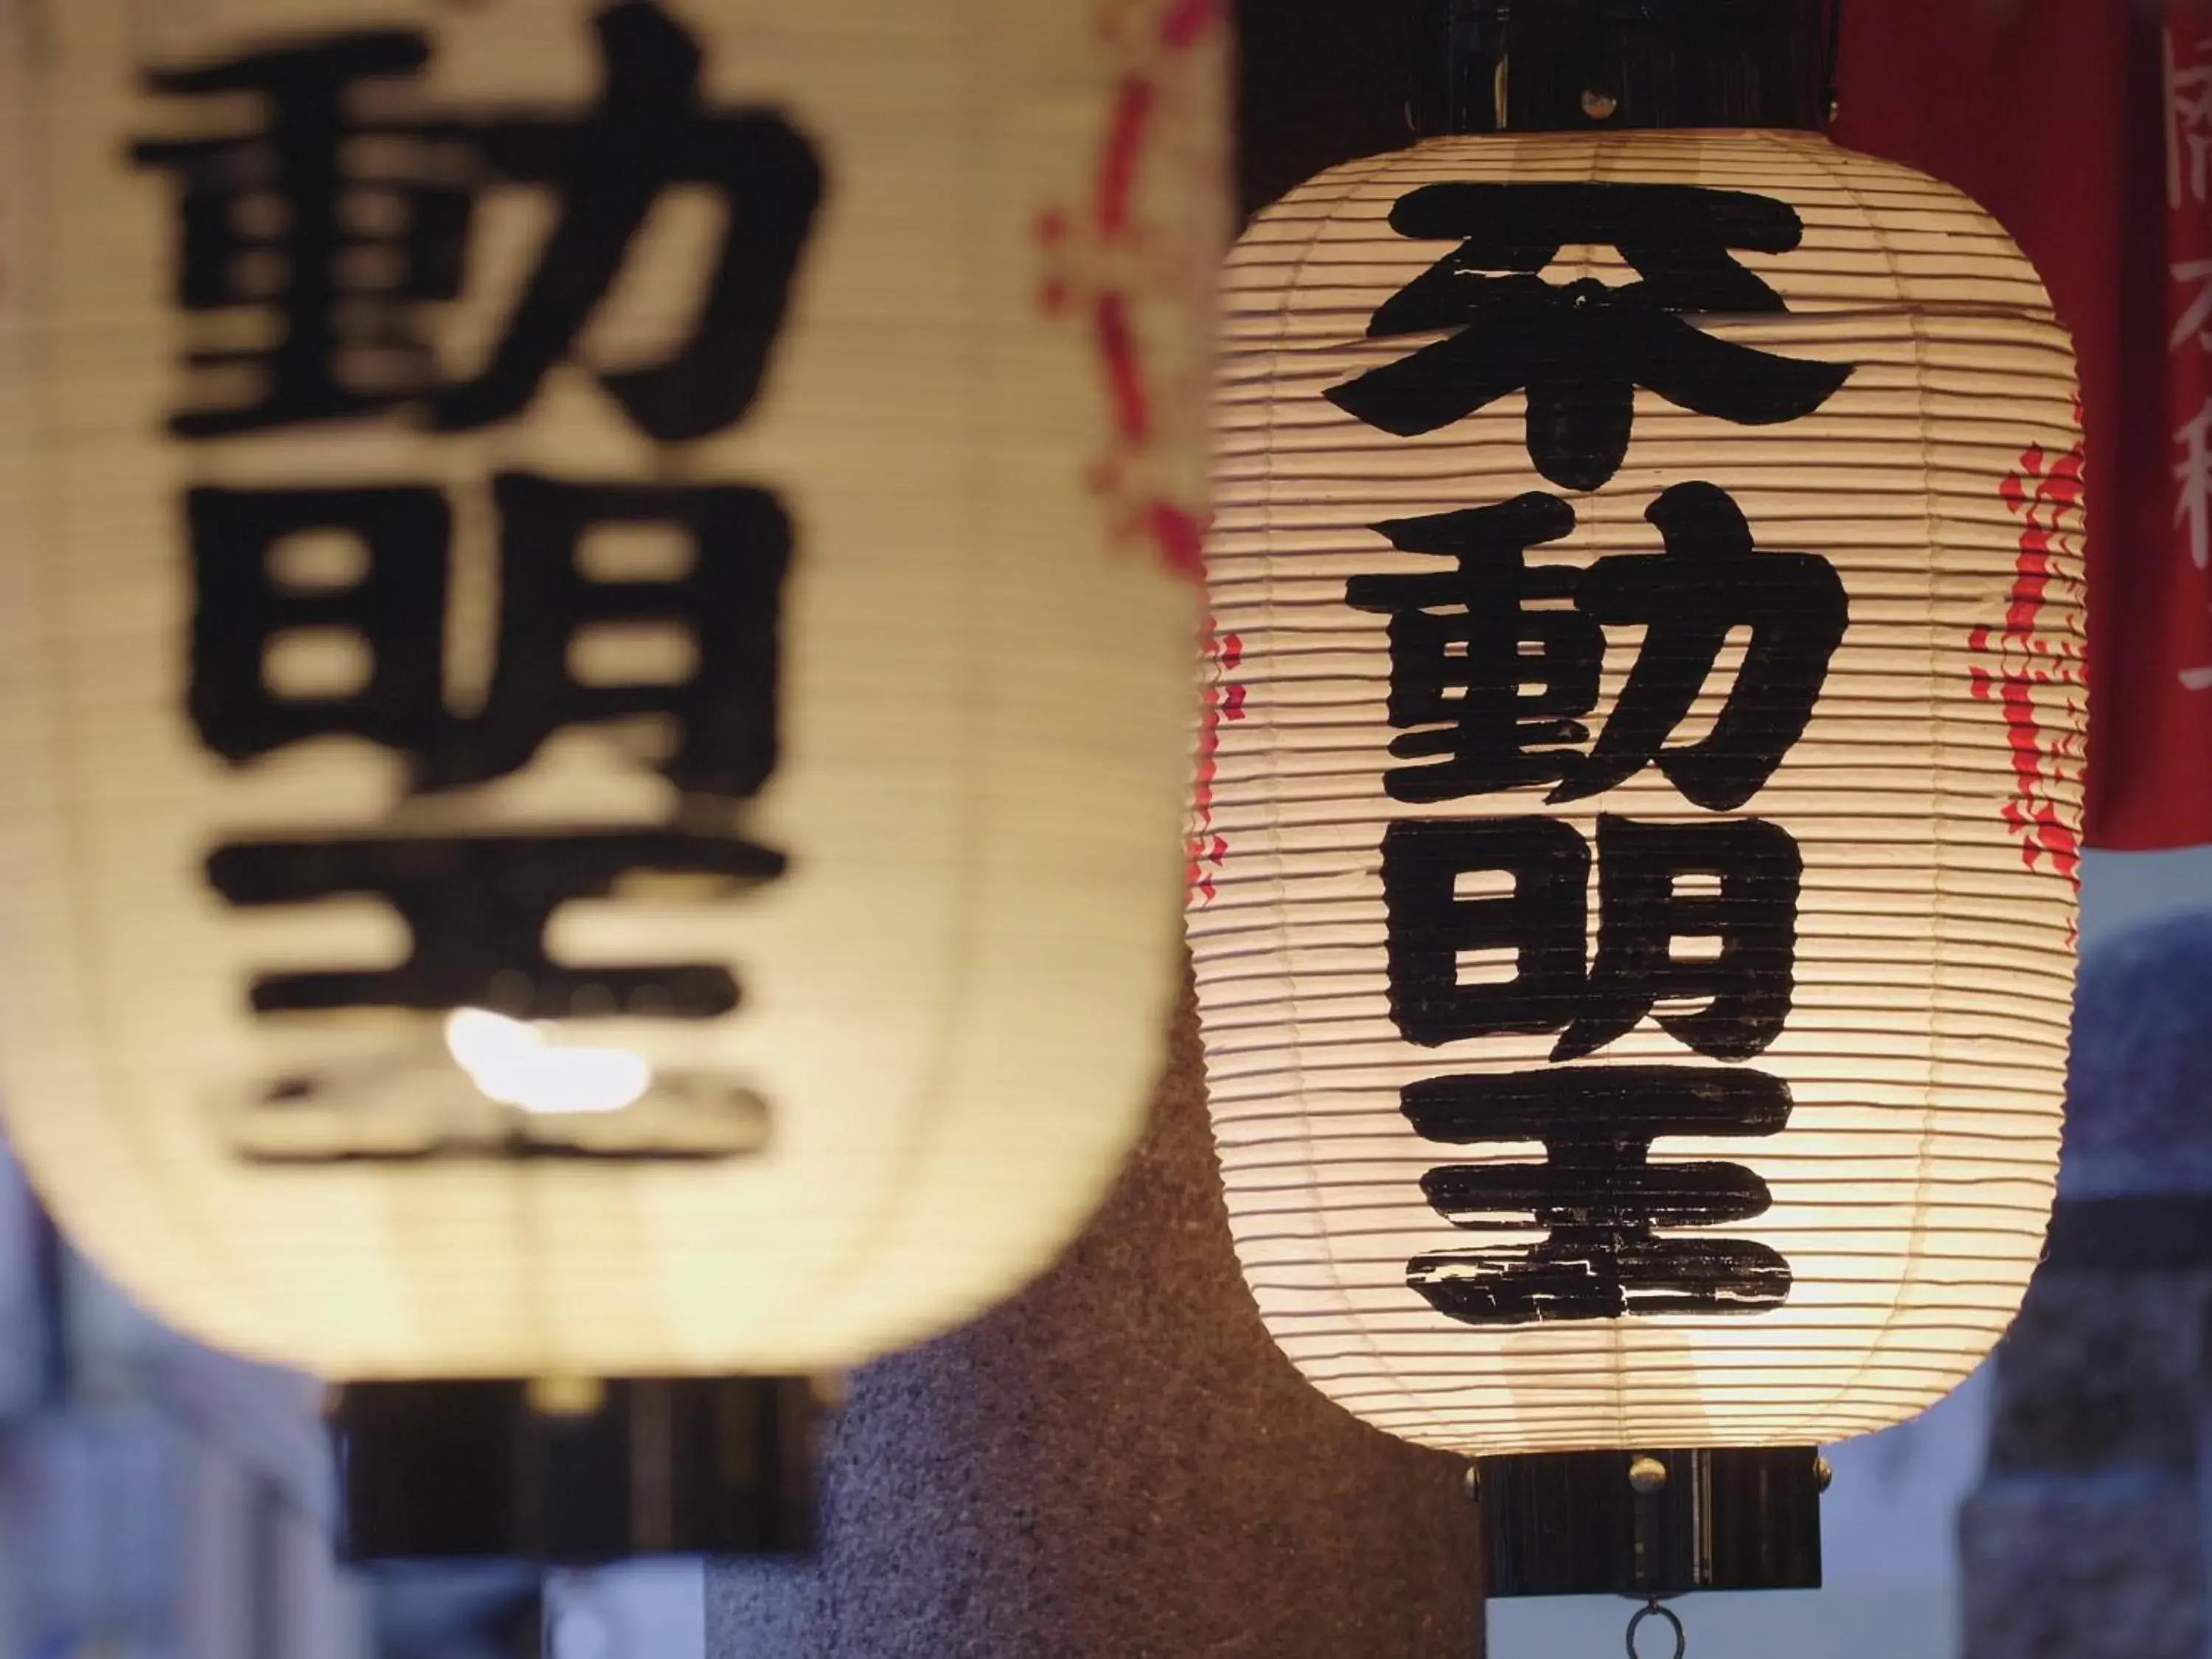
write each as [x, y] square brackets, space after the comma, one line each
[2086, 127]
[2185, 112]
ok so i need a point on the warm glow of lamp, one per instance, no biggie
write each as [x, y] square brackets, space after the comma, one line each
[594, 667]
[1637, 937]
[516, 1065]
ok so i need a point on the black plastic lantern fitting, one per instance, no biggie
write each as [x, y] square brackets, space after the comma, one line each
[691, 1466]
[1604, 66]
[1653, 1523]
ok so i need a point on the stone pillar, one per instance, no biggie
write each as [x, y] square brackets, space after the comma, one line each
[1118, 1465]
[2087, 1537]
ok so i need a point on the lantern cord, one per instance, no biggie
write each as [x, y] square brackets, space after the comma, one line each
[1835, 59]
[1652, 1609]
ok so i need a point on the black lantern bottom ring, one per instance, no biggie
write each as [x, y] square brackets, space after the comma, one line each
[1653, 1523]
[578, 1474]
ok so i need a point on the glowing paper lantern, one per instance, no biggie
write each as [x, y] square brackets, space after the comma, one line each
[594, 658]
[1635, 930]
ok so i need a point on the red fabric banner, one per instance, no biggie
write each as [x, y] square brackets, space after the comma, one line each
[2086, 127]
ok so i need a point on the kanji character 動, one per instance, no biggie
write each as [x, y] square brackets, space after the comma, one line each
[338, 227]
[1491, 673]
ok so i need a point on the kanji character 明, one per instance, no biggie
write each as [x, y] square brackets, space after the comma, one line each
[1648, 874]
[728, 601]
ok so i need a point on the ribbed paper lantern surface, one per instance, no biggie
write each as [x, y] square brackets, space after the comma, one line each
[1634, 900]
[593, 657]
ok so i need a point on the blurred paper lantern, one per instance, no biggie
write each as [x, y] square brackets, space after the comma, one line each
[1635, 933]
[595, 658]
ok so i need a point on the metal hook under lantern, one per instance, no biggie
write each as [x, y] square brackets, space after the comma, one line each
[593, 671]
[1636, 914]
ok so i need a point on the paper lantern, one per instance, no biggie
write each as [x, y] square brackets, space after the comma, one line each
[594, 658]
[1636, 897]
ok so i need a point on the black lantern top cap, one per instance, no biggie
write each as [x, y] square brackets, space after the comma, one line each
[1599, 65]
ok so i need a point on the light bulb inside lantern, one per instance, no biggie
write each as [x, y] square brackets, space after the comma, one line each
[513, 1063]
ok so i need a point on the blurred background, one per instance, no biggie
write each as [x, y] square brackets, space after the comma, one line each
[159, 1500]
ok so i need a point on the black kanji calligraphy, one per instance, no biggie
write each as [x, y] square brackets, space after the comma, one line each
[1494, 664]
[1581, 350]
[727, 600]
[1489, 673]
[273, 223]
[1733, 882]
[1599, 1196]
[477, 908]
[1710, 580]
[1541, 924]
[394, 605]
[648, 136]
[339, 226]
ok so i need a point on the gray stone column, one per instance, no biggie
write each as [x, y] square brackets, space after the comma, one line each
[2087, 1537]
[1118, 1465]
